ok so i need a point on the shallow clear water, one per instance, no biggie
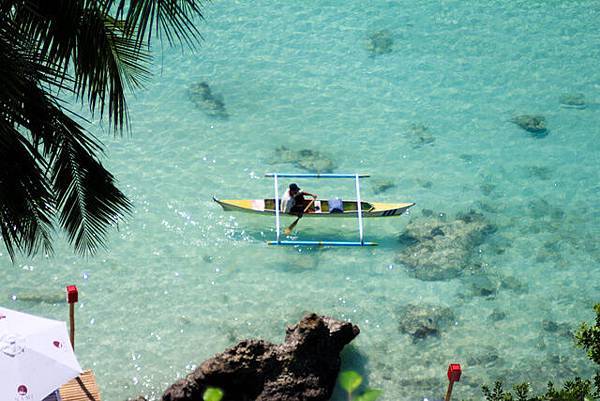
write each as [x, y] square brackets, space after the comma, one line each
[182, 280]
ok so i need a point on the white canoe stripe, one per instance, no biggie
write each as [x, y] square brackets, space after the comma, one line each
[258, 204]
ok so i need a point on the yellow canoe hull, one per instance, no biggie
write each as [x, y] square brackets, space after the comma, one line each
[267, 206]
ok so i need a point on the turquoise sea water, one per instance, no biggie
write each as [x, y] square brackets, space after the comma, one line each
[182, 280]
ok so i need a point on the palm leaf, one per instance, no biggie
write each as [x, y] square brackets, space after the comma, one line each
[107, 62]
[149, 18]
[83, 40]
[94, 49]
[26, 202]
[87, 198]
[78, 186]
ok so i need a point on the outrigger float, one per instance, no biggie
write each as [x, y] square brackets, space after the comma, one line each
[353, 208]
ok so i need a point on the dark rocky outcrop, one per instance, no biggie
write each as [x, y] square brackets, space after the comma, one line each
[303, 368]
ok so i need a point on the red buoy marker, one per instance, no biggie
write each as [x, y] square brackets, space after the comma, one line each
[453, 376]
[72, 297]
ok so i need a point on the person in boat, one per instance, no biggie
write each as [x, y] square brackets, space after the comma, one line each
[293, 201]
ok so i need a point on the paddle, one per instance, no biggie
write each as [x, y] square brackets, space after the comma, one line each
[288, 230]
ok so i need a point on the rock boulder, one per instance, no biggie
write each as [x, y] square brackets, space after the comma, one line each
[303, 368]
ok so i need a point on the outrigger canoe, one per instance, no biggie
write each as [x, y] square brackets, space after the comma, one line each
[321, 208]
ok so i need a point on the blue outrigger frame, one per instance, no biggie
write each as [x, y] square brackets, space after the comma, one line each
[356, 178]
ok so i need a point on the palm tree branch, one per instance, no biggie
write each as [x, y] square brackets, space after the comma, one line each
[23, 100]
[26, 201]
[87, 198]
[88, 201]
[148, 18]
[106, 62]
[51, 25]
[49, 164]
[83, 39]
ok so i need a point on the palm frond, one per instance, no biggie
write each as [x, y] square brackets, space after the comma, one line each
[26, 202]
[23, 102]
[175, 18]
[106, 63]
[66, 176]
[87, 198]
[85, 41]
[51, 25]
[49, 165]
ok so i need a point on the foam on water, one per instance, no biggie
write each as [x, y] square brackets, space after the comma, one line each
[182, 279]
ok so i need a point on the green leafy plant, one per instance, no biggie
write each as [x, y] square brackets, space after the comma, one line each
[573, 390]
[350, 381]
[587, 337]
[212, 394]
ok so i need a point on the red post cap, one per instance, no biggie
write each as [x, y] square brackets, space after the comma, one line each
[454, 372]
[72, 295]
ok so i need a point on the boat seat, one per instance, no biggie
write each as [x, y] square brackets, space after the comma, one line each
[336, 205]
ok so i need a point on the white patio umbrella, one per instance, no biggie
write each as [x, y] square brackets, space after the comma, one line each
[36, 356]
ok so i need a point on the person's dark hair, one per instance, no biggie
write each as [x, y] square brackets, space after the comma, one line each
[294, 187]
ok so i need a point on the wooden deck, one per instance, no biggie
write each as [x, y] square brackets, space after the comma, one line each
[81, 388]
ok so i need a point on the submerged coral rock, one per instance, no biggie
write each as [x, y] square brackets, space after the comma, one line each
[572, 101]
[420, 135]
[380, 42]
[314, 161]
[539, 172]
[497, 315]
[211, 104]
[483, 286]
[535, 124]
[424, 183]
[306, 159]
[41, 297]
[304, 367]
[436, 249]
[487, 356]
[382, 185]
[561, 329]
[490, 284]
[423, 320]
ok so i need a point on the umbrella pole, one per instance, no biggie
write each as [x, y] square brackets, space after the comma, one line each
[72, 296]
